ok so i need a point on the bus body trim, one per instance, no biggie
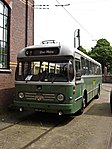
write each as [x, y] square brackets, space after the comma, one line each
[80, 81]
[76, 99]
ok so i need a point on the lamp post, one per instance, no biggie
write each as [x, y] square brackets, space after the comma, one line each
[78, 36]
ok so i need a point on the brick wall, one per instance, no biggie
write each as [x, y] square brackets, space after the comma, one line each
[7, 1]
[18, 27]
[17, 42]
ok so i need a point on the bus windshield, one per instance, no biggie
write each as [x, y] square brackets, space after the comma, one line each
[45, 71]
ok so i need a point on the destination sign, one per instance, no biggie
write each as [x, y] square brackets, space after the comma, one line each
[42, 51]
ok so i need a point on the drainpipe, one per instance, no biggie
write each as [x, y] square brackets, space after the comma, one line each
[26, 24]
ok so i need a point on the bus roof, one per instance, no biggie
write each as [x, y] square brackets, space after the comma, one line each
[64, 50]
[86, 56]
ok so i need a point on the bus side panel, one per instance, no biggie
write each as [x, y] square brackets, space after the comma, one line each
[78, 96]
[92, 84]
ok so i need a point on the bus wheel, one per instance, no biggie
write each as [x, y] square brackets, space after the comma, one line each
[111, 101]
[98, 93]
[84, 104]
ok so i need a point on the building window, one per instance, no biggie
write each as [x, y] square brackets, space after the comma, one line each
[4, 35]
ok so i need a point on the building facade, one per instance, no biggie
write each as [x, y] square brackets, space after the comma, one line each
[16, 32]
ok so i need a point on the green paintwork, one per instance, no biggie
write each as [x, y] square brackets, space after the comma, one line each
[72, 102]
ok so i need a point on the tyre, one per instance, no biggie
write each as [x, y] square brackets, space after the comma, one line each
[84, 104]
[98, 93]
[111, 101]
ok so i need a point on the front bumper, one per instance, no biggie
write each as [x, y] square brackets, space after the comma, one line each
[44, 107]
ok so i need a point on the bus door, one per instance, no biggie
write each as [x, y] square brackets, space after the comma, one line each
[78, 80]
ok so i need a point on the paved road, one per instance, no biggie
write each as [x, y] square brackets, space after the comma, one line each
[91, 130]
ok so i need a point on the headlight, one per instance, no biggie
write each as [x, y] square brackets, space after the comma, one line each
[21, 95]
[27, 53]
[60, 97]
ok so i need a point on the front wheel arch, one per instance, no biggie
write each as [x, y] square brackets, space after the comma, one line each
[83, 102]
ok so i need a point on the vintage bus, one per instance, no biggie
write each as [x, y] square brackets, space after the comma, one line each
[55, 78]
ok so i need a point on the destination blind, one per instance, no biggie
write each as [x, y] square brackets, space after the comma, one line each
[42, 51]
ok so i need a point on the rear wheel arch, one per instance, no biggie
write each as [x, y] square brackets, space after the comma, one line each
[98, 92]
[85, 97]
[111, 100]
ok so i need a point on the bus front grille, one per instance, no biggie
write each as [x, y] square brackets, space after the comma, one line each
[40, 97]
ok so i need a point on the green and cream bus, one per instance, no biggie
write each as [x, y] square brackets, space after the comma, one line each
[55, 78]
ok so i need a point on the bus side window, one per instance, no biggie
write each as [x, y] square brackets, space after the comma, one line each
[83, 66]
[19, 75]
[78, 69]
[71, 71]
[87, 67]
[90, 68]
[97, 70]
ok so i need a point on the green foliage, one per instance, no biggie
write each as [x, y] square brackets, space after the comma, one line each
[83, 50]
[102, 53]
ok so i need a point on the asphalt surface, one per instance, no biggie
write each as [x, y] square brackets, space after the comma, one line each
[32, 130]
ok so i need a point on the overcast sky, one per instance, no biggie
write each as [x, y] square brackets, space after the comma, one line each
[92, 17]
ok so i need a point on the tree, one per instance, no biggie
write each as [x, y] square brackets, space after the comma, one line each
[102, 53]
[83, 50]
